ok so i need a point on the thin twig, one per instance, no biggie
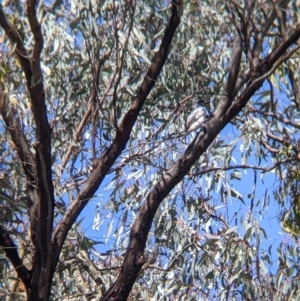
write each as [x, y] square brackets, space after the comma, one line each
[246, 166]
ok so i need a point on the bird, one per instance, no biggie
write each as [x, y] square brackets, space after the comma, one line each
[196, 118]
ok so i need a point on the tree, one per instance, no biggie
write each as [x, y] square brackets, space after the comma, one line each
[95, 94]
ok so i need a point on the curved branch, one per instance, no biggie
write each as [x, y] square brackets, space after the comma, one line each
[38, 38]
[108, 158]
[268, 147]
[12, 123]
[173, 262]
[270, 60]
[246, 166]
[276, 138]
[16, 41]
[275, 116]
[44, 198]
[268, 65]
[10, 249]
[134, 258]
[32, 69]
[42, 259]
[258, 39]
[92, 270]
[93, 95]
[8, 114]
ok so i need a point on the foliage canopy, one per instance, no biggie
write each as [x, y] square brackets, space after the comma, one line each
[93, 98]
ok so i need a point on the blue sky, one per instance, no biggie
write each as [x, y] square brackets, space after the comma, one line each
[263, 192]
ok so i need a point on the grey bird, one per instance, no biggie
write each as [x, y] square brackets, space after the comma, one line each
[196, 118]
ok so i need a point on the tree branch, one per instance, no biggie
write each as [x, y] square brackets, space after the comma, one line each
[275, 116]
[174, 260]
[42, 259]
[234, 66]
[10, 249]
[265, 67]
[134, 258]
[44, 198]
[269, 61]
[39, 41]
[268, 147]
[92, 270]
[258, 39]
[295, 86]
[108, 158]
[11, 120]
[33, 75]
[16, 41]
[93, 95]
[246, 166]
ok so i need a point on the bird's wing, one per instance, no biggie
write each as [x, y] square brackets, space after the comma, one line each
[194, 117]
[191, 119]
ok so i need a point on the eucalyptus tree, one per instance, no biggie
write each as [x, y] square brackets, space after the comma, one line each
[94, 97]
